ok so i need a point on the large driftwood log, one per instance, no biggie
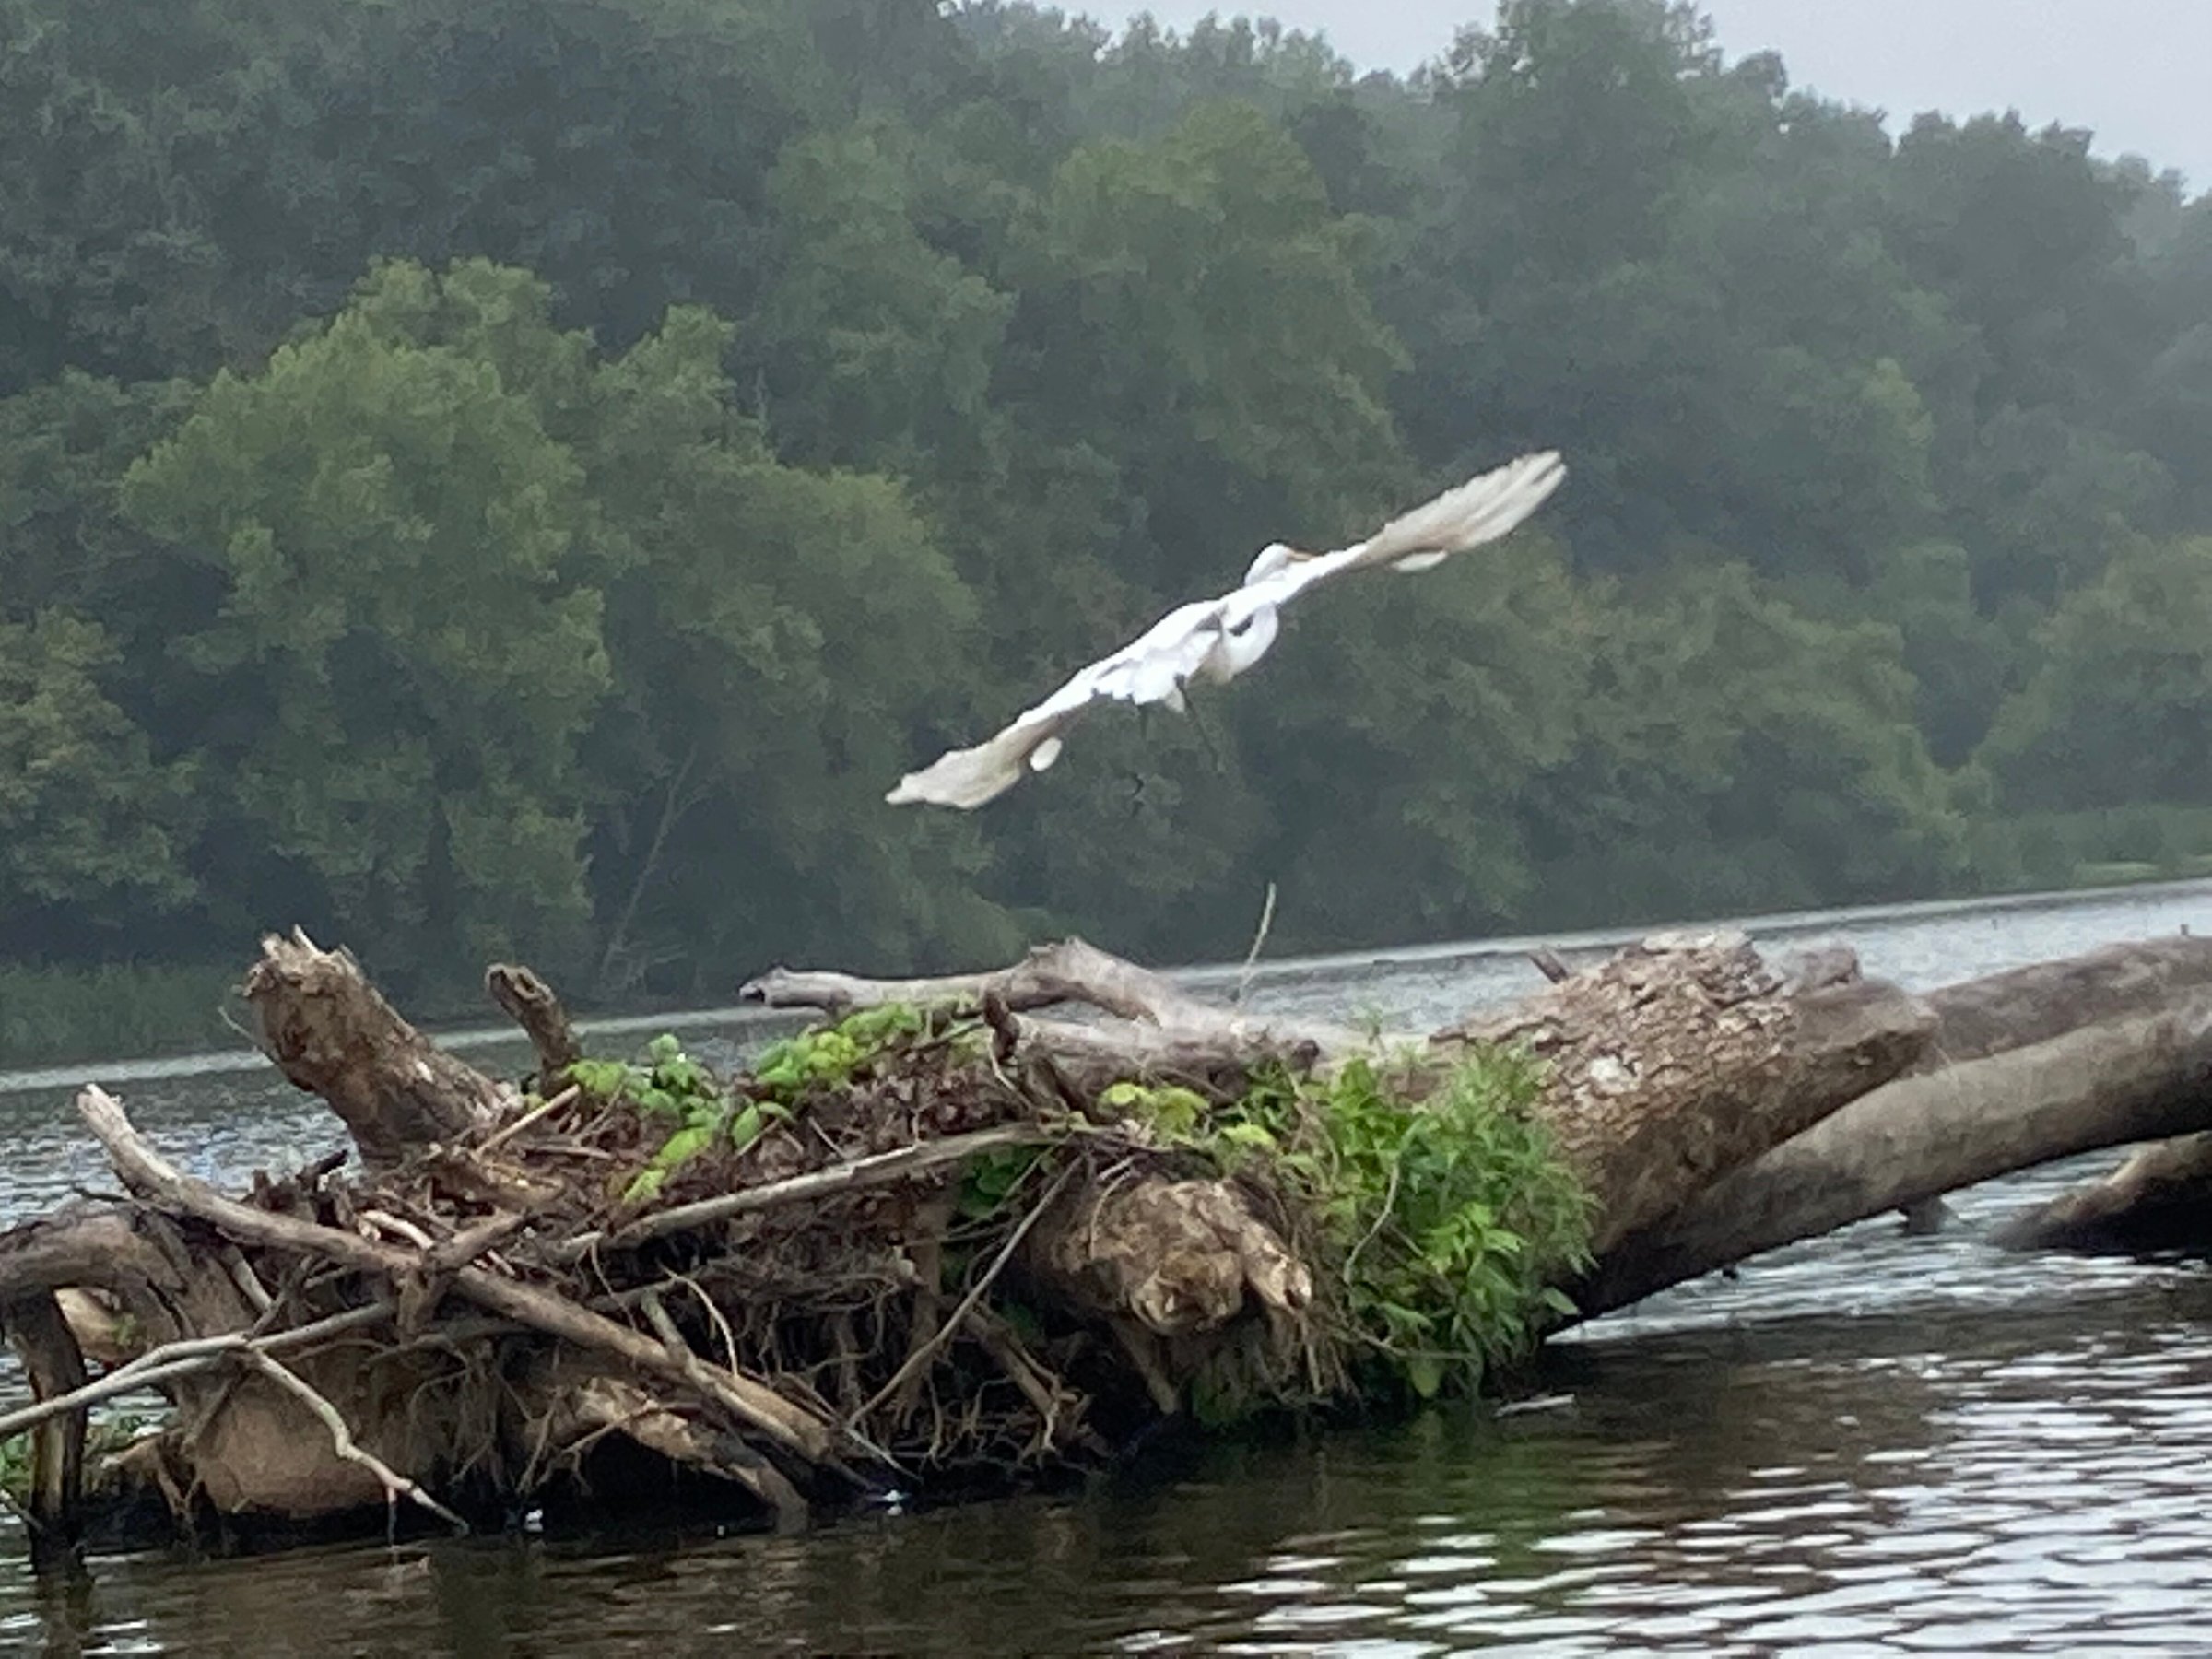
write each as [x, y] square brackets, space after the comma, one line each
[333, 1034]
[1671, 1062]
[1154, 1027]
[1918, 1138]
[1982, 1017]
[1666, 1065]
[1686, 1056]
[1711, 1105]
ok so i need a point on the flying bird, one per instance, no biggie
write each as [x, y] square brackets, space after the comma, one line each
[1216, 640]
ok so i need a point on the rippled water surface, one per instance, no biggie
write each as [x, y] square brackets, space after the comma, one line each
[1867, 1444]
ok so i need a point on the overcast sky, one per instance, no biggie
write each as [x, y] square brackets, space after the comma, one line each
[2138, 72]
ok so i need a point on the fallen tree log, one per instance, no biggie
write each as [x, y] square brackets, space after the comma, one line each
[1674, 1060]
[1922, 1136]
[1685, 1056]
[1982, 1017]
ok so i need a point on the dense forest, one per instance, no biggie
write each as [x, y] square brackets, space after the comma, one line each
[499, 478]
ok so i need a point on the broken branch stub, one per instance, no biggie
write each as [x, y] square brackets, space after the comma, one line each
[2158, 1198]
[331, 1033]
[531, 1003]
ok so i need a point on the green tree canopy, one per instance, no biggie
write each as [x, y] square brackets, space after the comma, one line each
[748, 398]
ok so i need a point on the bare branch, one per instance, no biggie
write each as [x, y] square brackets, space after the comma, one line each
[396, 1486]
[173, 1360]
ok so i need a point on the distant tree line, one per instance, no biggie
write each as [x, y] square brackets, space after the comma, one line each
[523, 478]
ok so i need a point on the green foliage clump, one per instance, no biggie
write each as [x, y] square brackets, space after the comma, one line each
[674, 1090]
[1449, 1216]
[670, 1090]
[992, 1178]
[670, 1084]
[830, 1054]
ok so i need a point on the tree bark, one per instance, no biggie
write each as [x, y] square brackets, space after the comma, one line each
[333, 1034]
[1918, 1138]
[1979, 1017]
[1685, 1056]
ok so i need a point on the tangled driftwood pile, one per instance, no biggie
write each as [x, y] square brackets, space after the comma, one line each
[964, 1236]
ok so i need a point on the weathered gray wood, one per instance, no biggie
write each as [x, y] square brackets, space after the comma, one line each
[750, 1402]
[2101, 1086]
[1978, 1018]
[333, 1034]
[1070, 972]
[531, 1003]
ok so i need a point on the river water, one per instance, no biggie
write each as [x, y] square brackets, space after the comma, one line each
[1866, 1444]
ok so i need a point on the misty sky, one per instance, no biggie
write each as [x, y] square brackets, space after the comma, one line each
[2137, 72]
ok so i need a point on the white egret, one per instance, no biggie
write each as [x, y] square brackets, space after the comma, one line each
[1216, 640]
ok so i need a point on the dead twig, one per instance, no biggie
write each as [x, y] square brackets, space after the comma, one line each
[401, 1226]
[860, 1173]
[542, 1109]
[173, 1360]
[950, 1328]
[1259, 943]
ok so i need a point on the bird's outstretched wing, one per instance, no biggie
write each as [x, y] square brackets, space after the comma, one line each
[1152, 668]
[1484, 509]
[1157, 665]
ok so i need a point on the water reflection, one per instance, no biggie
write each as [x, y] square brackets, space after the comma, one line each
[2016, 1479]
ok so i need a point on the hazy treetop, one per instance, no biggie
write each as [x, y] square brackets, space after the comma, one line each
[2132, 71]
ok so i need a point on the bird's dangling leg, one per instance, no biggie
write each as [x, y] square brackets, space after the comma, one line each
[1136, 777]
[1206, 739]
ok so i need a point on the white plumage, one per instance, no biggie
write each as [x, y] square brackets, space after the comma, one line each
[1216, 640]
